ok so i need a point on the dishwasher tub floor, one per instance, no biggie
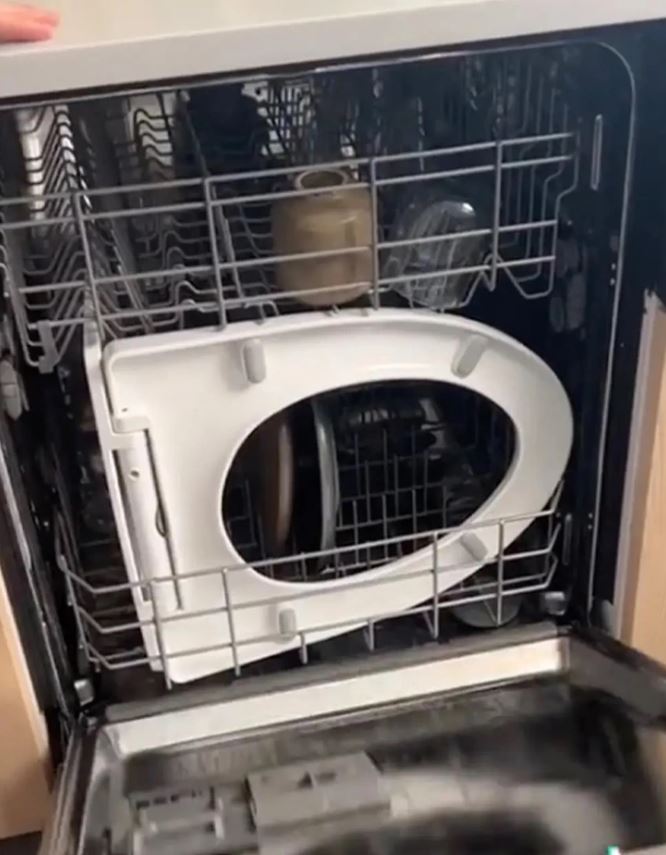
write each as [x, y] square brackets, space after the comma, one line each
[566, 761]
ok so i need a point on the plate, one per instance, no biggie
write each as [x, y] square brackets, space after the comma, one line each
[271, 453]
[329, 477]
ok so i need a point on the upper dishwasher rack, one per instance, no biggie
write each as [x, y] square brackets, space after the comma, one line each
[152, 212]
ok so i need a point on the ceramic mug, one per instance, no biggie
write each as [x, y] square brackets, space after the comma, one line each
[337, 216]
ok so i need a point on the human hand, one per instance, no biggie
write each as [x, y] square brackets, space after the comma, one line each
[25, 23]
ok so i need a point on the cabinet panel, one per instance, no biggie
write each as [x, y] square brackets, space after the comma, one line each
[24, 768]
[644, 613]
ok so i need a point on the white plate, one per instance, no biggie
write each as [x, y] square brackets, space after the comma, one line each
[186, 401]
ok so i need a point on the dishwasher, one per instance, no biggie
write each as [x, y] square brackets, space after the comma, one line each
[319, 379]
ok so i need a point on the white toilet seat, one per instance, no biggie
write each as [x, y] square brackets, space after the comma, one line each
[190, 399]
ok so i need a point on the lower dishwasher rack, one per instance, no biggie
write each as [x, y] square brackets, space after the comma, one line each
[535, 740]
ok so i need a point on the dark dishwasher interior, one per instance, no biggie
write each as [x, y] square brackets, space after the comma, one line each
[103, 203]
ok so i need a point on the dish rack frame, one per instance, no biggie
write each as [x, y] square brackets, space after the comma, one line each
[104, 182]
[106, 617]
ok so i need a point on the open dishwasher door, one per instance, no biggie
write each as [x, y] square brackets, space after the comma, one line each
[536, 740]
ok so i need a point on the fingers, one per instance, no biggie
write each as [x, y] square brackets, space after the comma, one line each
[25, 23]
[45, 16]
[17, 31]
